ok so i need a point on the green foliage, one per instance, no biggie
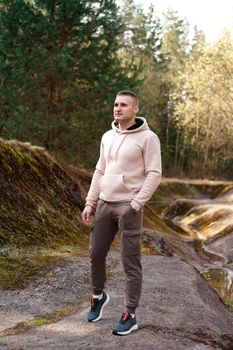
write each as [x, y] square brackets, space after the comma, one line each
[174, 52]
[62, 62]
[230, 305]
[58, 67]
[159, 53]
[142, 32]
[205, 108]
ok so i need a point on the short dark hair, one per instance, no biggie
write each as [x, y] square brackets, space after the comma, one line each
[128, 93]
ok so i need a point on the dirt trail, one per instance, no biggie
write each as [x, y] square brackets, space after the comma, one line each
[178, 310]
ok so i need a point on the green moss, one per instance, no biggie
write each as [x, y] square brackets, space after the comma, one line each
[14, 159]
[173, 190]
[18, 266]
[15, 271]
[230, 305]
[37, 207]
[5, 165]
[193, 189]
[52, 317]
[153, 221]
[17, 155]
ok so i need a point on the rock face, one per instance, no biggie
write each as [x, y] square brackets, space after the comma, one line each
[40, 202]
[178, 311]
[186, 308]
[194, 222]
[203, 218]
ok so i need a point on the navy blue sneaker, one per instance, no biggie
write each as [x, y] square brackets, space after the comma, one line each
[97, 307]
[126, 325]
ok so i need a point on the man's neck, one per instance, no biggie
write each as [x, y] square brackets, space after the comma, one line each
[124, 126]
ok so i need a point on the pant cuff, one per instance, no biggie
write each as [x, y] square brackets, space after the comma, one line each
[97, 292]
[131, 309]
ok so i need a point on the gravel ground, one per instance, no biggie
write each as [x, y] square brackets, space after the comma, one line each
[178, 311]
[51, 290]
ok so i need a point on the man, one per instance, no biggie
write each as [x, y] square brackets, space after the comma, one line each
[126, 175]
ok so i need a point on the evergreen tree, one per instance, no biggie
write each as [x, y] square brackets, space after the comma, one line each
[160, 54]
[59, 70]
[175, 52]
[141, 45]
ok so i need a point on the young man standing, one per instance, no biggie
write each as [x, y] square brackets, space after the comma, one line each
[126, 175]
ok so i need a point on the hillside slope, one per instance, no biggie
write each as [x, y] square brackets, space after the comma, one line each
[40, 202]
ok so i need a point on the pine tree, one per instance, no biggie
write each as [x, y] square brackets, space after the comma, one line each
[59, 69]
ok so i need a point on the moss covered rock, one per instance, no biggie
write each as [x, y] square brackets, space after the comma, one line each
[40, 202]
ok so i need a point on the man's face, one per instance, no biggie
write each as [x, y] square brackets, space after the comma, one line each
[125, 109]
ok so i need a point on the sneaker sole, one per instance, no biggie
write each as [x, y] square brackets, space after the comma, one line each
[134, 328]
[101, 310]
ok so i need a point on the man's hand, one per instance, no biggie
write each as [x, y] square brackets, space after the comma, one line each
[86, 215]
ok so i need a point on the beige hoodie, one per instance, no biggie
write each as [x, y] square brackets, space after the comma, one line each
[129, 167]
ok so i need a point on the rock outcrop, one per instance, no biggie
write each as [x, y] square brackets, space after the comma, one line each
[178, 311]
[40, 202]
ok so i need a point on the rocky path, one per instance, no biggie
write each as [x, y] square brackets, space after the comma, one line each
[51, 290]
[178, 311]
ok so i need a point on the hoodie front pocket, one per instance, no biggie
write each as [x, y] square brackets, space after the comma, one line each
[112, 187]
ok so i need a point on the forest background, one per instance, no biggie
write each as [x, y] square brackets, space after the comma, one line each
[63, 61]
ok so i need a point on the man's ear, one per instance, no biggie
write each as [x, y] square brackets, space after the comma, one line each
[136, 109]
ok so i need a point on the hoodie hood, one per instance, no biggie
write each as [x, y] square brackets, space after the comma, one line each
[140, 125]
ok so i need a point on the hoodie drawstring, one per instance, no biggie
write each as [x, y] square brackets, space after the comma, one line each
[115, 137]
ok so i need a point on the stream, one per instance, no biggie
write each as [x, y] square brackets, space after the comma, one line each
[194, 220]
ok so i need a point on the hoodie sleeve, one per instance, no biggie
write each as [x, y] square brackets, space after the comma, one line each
[94, 191]
[152, 154]
[153, 169]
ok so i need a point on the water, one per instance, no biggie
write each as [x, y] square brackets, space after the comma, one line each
[222, 281]
[201, 217]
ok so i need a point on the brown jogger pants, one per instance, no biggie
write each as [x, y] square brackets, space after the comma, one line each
[109, 218]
